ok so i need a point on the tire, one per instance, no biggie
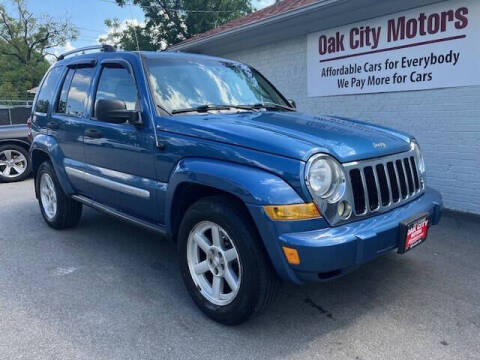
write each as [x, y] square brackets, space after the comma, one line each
[257, 283]
[15, 163]
[64, 212]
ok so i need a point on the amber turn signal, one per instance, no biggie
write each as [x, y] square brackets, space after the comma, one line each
[292, 212]
[291, 255]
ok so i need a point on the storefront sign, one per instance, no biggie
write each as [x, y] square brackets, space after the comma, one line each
[436, 46]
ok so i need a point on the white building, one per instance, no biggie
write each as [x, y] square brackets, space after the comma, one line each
[410, 65]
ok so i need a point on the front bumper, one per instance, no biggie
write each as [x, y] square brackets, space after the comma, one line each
[333, 251]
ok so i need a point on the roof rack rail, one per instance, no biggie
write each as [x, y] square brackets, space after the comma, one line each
[104, 47]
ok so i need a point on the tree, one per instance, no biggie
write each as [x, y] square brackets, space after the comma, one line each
[169, 22]
[26, 34]
[16, 78]
[24, 41]
[127, 35]
[217, 13]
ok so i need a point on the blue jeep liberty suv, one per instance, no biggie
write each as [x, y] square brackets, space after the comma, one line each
[207, 151]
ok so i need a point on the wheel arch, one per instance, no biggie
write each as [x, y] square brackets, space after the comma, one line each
[187, 193]
[195, 178]
[38, 156]
[45, 148]
[23, 144]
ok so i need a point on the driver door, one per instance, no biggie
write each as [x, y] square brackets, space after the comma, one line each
[120, 157]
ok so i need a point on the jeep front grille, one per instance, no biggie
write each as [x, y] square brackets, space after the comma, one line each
[383, 183]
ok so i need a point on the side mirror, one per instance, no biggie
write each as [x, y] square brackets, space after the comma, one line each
[115, 111]
[292, 103]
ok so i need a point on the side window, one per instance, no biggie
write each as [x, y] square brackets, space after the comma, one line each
[62, 101]
[46, 94]
[75, 92]
[117, 84]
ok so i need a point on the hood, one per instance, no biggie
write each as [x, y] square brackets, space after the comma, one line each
[293, 134]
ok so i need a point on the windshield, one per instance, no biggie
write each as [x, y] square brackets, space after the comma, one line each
[186, 84]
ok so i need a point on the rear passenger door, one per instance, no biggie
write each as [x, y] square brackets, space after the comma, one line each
[67, 122]
[121, 156]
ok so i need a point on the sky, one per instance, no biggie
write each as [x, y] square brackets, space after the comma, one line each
[88, 16]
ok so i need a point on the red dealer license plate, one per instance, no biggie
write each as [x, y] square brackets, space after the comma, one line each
[413, 232]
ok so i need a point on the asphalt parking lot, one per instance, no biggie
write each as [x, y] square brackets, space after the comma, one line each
[109, 290]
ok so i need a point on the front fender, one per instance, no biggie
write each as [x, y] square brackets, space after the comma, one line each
[251, 185]
[49, 146]
[255, 187]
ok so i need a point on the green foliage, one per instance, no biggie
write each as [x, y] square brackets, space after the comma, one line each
[125, 36]
[26, 34]
[24, 42]
[16, 78]
[223, 11]
[168, 22]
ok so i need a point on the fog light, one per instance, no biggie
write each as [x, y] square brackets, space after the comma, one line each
[344, 209]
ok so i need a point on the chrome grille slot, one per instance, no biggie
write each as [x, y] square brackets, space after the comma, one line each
[381, 184]
[393, 182]
[411, 189]
[415, 174]
[371, 188]
[401, 178]
[358, 193]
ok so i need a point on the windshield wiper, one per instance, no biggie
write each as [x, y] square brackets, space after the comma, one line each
[209, 107]
[269, 105]
[201, 108]
[205, 108]
[163, 109]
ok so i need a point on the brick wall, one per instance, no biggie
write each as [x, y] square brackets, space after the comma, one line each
[446, 122]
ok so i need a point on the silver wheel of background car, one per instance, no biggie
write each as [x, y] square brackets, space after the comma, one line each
[12, 163]
[214, 263]
[48, 196]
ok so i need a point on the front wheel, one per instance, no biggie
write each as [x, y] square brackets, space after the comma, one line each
[223, 263]
[58, 210]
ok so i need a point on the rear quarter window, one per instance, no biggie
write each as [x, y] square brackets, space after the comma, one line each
[47, 91]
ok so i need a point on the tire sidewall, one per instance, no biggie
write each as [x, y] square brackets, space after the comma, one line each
[245, 301]
[27, 157]
[46, 168]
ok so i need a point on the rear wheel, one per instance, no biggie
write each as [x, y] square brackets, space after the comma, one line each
[15, 164]
[223, 263]
[58, 210]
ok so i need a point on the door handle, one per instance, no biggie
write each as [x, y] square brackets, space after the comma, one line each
[93, 133]
[52, 125]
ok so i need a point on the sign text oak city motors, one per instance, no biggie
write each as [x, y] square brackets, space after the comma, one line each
[398, 28]
[429, 47]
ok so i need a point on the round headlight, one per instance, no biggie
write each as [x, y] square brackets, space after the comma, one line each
[320, 177]
[419, 157]
[325, 178]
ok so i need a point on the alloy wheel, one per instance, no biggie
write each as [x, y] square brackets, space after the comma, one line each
[12, 163]
[48, 196]
[214, 263]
